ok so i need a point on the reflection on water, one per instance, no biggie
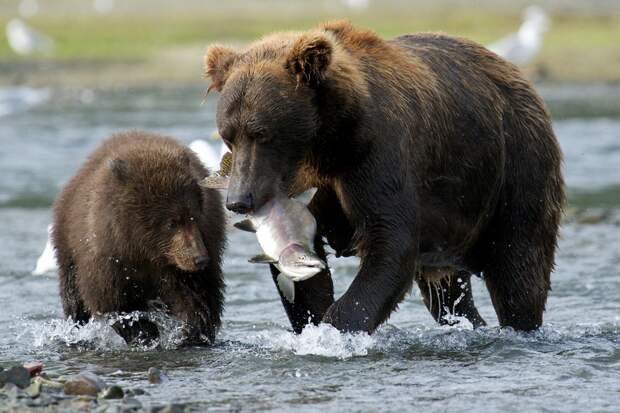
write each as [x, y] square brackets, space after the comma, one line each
[257, 363]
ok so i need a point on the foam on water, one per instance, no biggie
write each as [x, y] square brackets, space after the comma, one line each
[322, 340]
[325, 340]
[98, 333]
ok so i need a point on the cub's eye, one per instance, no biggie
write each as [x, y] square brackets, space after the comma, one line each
[171, 225]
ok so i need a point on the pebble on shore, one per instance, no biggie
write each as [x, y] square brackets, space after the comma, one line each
[156, 376]
[113, 392]
[17, 375]
[27, 386]
[84, 384]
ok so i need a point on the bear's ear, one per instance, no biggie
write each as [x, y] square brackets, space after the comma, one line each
[309, 58]
[217, 63]
[119, 169]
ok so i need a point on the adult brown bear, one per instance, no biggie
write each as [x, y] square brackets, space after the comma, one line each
[434, 160]
[133, 228]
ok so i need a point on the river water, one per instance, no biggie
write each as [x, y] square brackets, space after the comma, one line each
[571, 364]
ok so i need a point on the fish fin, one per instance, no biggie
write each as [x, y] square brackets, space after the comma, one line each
[226, 164]
[286, 287]
[245, 225]
[262, 259]
[306, 196]
[214, 181]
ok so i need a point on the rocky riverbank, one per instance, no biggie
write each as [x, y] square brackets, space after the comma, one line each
[29, 388]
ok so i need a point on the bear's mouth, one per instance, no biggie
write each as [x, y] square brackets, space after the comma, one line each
[192, 264]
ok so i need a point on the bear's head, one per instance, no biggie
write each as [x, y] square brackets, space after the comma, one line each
[284, 103]
[158, 209]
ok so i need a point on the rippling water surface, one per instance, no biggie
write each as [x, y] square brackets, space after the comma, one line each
[572, 364]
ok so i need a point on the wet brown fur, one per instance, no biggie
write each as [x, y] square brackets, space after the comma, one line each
[128, 228]
[432, 155]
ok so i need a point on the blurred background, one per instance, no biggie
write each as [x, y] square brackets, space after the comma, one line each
[119, 43]
[74, 71]
[90, 67]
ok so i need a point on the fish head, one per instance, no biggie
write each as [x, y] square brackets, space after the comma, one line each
[300, 263]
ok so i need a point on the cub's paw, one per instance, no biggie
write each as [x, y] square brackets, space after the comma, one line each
[139, 332]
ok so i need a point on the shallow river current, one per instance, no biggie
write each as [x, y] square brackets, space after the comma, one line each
[571, 364]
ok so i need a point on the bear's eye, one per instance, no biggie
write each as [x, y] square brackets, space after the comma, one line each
[171, 224]
[258, 135]
[227, 135]
[227, 142]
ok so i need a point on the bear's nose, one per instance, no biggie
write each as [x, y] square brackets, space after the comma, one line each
[241, 205]
[201, 261]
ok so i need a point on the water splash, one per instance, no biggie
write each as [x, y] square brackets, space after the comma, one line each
[98, 333]
[322, 340]
[325, 340]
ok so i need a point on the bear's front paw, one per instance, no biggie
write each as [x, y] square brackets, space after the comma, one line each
[348, 318]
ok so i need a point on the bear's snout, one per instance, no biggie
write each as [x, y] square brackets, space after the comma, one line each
[188, 251]
[240, 203]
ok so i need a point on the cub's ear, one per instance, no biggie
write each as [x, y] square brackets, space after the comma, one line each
[217, 63]
[309, 58]
[120, 169]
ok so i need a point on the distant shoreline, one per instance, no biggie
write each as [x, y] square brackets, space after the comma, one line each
[105, 73]
[136, 48]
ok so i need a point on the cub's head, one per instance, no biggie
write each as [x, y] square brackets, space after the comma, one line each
[283, 99]
[158, 209]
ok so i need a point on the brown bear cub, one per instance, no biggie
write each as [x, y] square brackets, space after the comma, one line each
[434, 159]
[132, 229]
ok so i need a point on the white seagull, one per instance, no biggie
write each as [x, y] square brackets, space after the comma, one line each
[47, 261]
[210, 154]
[104, 6]
[25, 40]
[521, 47]
[357, 4]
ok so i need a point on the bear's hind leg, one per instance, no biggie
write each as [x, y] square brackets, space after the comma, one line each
[449, 297]
[519, 259]
[518, 295]
[516, 252]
